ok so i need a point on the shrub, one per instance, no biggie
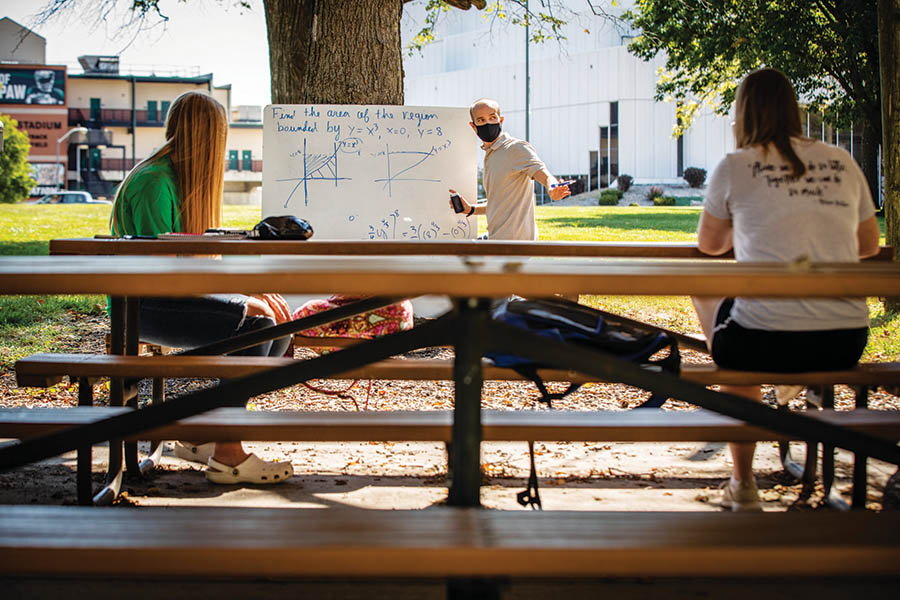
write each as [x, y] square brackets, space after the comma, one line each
[695, 176]
[623, 182]
[663, 201]
[634, 204]
[608, 198]
[654, 192]
[15, 172]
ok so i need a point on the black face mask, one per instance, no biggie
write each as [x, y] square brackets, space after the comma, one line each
[488, 132]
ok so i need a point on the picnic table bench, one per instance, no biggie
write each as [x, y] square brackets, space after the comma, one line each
[444, 543]
[468, 329]
[44, 370]
[241, 544]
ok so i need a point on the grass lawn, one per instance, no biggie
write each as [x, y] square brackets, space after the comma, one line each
[34, 324]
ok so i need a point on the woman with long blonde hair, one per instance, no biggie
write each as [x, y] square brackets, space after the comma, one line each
[179, 189]
[782, 197]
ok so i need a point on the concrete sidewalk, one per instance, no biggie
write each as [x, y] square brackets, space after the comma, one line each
[411, 475]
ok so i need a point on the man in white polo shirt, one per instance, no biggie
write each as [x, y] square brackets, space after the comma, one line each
[510, 165]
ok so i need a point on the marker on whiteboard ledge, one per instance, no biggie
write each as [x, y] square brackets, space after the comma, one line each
[561, 183]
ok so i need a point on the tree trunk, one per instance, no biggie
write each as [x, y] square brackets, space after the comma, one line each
[335, 51]
[889, 52]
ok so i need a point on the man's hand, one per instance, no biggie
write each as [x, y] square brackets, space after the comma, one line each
[466, 206]
[269, 305]
[559, 190]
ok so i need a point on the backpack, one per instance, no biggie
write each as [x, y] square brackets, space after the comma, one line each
[570, 322]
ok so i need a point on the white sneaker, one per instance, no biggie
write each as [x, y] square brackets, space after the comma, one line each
[740, 498]
[785, 393]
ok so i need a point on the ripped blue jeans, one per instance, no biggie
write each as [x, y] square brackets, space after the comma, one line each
[197, 321]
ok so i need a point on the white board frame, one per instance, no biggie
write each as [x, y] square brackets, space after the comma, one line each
[376, 172]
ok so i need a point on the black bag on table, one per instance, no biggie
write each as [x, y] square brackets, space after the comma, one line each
[285, 227]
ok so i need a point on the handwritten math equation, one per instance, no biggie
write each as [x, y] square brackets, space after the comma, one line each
[393, 227]
[402, 142]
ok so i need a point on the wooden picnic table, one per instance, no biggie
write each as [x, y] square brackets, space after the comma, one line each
[212, 245]
[452, 276]
[471, 281]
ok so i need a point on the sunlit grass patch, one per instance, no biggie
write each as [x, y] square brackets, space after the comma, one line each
[884, 334]
[617, 223]
[55, 332]
[670, 312]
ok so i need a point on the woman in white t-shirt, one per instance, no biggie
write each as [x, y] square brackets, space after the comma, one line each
[782, 197]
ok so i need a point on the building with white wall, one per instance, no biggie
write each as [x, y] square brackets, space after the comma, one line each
[592, 111]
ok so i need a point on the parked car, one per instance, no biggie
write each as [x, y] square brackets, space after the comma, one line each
[64, 197]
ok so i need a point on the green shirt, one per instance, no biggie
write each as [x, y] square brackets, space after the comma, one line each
[149, 204]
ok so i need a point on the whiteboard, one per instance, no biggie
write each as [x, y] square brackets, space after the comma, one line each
[370, 172]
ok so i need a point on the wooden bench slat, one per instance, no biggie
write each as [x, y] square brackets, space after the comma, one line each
[395, 248]
[443, 542]
[147, 276]
[645, 425]
[35, 369]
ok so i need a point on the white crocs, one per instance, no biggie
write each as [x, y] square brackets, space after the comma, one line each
[252, 470]
[199, 453]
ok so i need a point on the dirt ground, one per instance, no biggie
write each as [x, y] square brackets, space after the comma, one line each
[402, 475]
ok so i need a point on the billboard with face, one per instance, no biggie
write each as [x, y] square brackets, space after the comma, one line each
[32, 85]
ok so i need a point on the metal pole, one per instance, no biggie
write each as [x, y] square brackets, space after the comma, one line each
[133, 122]
[77, 166]
[57, 163]
[58, 142]
[465, 449]
[527, 77]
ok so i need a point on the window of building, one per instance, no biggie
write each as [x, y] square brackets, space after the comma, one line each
[613, 140]
[164, 109]
[152, 112]
[95, 160]
[814, 126]
[246, 161]
[603, 181]
[592, 161]
[856, 142]
[95, 109]
[609, 148]
[232, 160]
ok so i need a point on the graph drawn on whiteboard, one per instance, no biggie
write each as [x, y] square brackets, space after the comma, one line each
[316, 167]
[396, 169]
[370, 172]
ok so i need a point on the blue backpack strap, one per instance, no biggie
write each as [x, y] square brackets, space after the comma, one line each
[671, 363]
[531, 496]
[547, 397]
